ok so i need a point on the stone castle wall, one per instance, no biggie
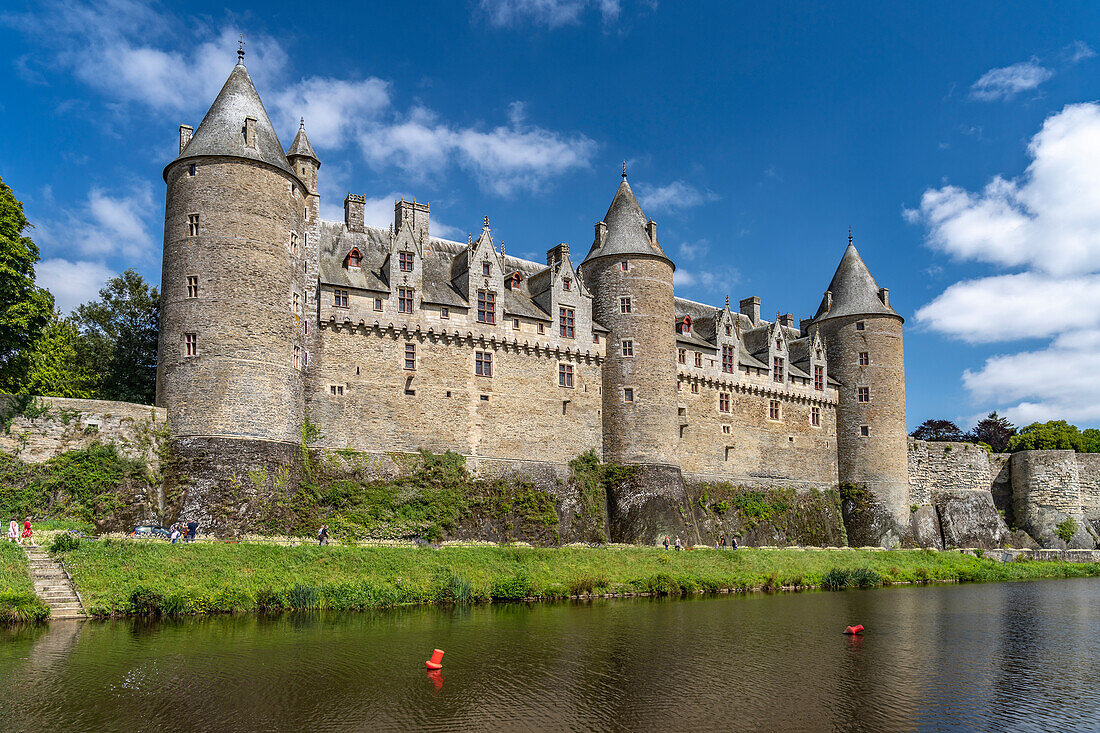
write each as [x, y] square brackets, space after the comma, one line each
[72, 424]
[939, 467]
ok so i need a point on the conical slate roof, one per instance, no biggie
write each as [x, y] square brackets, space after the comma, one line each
[301, 146]
[855, 292]
[626, 228]
[222, 129]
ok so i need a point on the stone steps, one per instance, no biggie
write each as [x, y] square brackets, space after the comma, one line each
[53, 586]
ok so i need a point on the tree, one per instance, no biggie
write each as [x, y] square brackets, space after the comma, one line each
[938, 430]
[120, 338]
[51, 366]
[1055, 435]
[994, 431]
[25, 308]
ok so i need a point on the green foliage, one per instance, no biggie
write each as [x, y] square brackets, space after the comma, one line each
[120, 338]
[1055, 435]
[144, 601]
[52, 365]
[25, 308]
[63, 542]
[301, 597]
[836, 579]
[993, 431]
[22, 608]
[511, 588]
[938, 430]
[1066, 529]
[595, 479]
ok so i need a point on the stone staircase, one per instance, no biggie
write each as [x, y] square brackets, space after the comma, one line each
[53, 585]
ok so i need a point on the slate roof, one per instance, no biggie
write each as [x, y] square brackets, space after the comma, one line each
[626, 228]
[855, 292]
[222, 129]
[301, 146]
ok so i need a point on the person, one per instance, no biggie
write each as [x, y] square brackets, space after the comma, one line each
[192, 530]
[322, 535]
[666, 541]
[27, 533]
[679, 545]
[723, 540]
[175, 536]
[733, 542]
[13, 532]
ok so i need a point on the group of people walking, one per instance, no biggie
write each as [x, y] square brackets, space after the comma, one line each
[718, 544]
[14, 535]
[185, 531]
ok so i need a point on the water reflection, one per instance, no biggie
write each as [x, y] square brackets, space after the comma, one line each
[994, 657]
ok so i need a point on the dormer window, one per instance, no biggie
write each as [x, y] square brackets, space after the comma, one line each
[567, 283]
[485, 269]
[354, 258]
[685, 325]
[515, 280]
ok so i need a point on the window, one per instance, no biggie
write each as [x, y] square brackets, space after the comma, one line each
[354, 259]
[624, 305]
[565, 375]
[773, 409]
[685, 326]
[294, 243]
[542, 328]
[695, 388]
[864, 358]
[725, 429]
[681, 356]
[378, 304]
[340, 298]
[444, 312]
[779, 344]
[698, 358]
[628, 394]
[515, 280]
[595, 338]
[485, 271]
[727, 359]
[297, 357]
[192, 168]
[567, 283]
[483, 363]
[297, 303]
[723, 402]
[515, 324]
[860, 325]
[192, 225]
[405, 261]
[863, 394]
[190, 344]
[486, 306]
[566, 322]
[192, 286]
[815, 416]
[864, 431]
[777, 368]
[624, 265]
[404, 300]
[337, 390]
[628, 348]
[410, 356]
[484, 398]
[819, 377]
[729, 331]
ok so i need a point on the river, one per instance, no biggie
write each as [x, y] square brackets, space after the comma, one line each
[1008, 656]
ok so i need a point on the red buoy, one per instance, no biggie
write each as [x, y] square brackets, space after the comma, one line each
[436, 662]
[857, 629]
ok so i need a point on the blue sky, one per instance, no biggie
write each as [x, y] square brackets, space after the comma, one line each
[961, 143]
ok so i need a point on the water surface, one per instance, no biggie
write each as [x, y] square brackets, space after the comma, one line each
[1009, 656]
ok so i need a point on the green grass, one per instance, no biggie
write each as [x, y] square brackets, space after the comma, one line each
[18, 601]
[123, 577]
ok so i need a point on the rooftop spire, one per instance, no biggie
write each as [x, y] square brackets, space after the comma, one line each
[849, 234]
[302, 123]
[853, 291]
[240, 50]
[624, 170]
[628, 230]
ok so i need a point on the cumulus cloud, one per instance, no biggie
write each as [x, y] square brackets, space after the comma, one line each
[72, 283]
[672, 196]
[335, 106]
[550, 13]
[1006, 82]
[1077, 51]
[705, 282]
[107, 224]
[1044, 223]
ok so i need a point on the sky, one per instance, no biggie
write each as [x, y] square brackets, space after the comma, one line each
[960, 142]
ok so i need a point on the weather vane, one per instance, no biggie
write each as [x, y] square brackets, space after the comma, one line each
[240, 50]
[624, 170]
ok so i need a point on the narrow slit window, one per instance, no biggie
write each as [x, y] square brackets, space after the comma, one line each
[192, 225]
[192, 286]
[410, 356]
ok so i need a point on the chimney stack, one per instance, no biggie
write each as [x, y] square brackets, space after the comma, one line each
[884, 296]
[601, 234]
[651, 230]
[250, 132]
[411, 213]
[751, 307]
[354, 204]
[557, 253]
[186, 131]
[787, 319]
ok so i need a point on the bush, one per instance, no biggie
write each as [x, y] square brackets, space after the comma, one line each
[63, 542]
[451, 588]
[772, 584]
[865, 578]
[587, 584]
[268, 600]
[301, 597]
[18, 607]
[145, 601]
[515, 588]
[836, 579]
[1066, 529]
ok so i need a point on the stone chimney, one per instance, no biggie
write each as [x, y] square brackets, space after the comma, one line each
[651, 230]
[250, 132]
[601, 234]
[787, 319]
[884, 296]
[186, 131]
[557, 253]
[412, 214]
[751, 307]
[353, 212]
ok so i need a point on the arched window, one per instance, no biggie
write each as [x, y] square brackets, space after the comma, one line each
[685, 325]
[354, 258]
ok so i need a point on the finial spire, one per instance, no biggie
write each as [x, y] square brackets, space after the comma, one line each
[302, 123]
[849, 234]
[240, 50]
[624, 170]
[486, 222]
[727, 301]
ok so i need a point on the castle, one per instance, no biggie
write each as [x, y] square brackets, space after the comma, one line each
[394, 340]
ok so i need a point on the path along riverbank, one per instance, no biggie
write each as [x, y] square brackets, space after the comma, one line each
[117, 577]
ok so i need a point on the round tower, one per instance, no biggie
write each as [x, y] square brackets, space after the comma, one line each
[863, 337]
[232, 293]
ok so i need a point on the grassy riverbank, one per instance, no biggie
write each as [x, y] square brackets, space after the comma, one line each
[126, 577]
[18, 601]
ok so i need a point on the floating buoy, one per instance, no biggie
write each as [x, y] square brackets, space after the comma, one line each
[436, 662]
[857, 629]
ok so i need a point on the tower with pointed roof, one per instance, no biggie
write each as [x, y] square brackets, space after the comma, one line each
[232, 345]
[863, 337]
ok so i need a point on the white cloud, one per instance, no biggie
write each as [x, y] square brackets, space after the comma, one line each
[335, 107]
[709, 281]
[672, 196]
[551, 13]
[1045, 222]
[1006, 82]
[1077, 51]
[72, 282]
[690, 251]
[107, 224]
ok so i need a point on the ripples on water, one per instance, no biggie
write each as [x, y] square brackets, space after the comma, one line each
[1011, 657]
